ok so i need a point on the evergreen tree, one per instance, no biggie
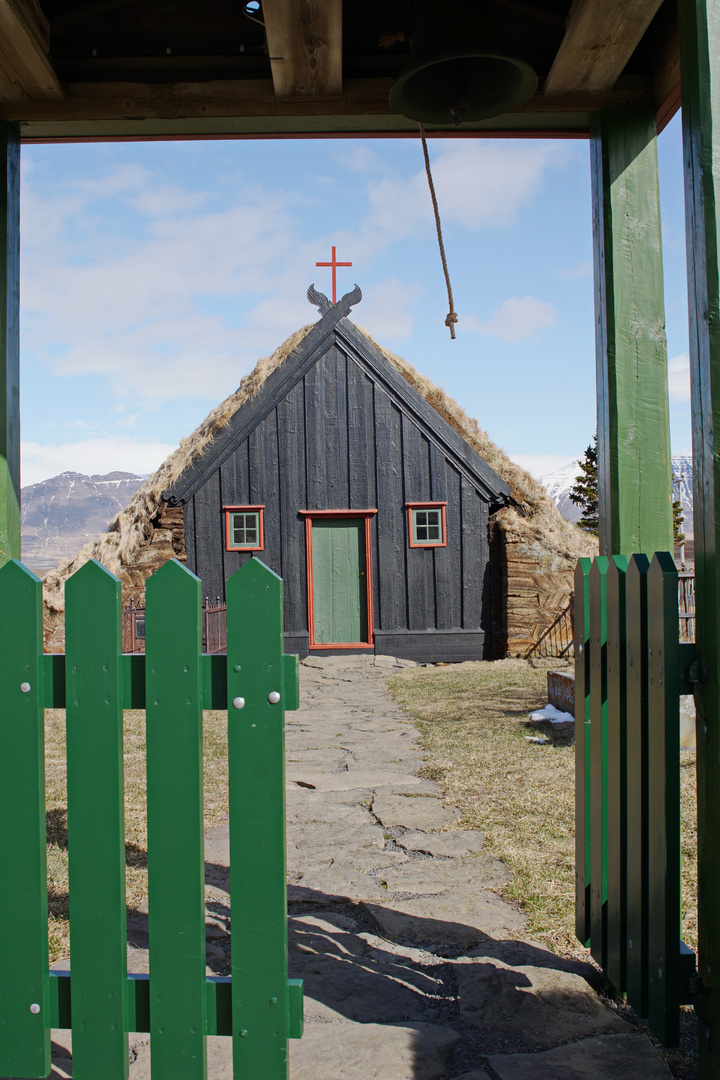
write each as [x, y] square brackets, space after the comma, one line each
[584, 492]
[678, 520]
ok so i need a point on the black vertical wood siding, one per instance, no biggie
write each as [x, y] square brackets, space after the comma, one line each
[338, 441]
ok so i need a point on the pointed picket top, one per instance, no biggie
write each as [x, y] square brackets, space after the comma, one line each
[171, 574]
[13, 569]
[253, 578]
[93, 575]
[662, 563]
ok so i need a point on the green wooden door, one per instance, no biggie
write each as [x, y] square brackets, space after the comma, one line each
[339, 580]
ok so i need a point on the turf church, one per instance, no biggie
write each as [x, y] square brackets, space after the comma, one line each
[342, 478]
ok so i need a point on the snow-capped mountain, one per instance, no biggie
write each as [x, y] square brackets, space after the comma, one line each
[682, 468]
[61, 514]
[560, 483]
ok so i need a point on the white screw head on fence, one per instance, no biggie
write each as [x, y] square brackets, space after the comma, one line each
[239, 703]
[273, 697]
[34, 1008]
[25, 687]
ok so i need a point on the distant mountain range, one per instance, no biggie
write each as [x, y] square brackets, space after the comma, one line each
[60, 515]
[559, 484]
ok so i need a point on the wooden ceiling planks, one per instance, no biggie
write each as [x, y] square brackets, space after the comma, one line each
[25, 70]
[600, 39]
[172, 68]
[305, 44]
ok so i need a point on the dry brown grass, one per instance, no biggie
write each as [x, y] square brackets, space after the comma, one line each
[473, 720]
[215, 794]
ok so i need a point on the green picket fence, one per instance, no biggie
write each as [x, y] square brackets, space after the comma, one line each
[630, 669]
[177, 1004]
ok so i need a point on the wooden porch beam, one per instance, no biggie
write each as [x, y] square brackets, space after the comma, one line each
[601, 37]
[25, 70]
[257, 98]
[305, 42]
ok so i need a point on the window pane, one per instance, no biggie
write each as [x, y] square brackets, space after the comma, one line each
[244, 529]
[427, 527]
[434, 530]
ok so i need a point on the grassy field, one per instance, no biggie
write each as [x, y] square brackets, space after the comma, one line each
[215, 742]
[473, 720]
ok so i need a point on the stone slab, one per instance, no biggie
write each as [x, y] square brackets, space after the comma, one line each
[447, 921]
[424, 812]
[381, 1051]
[434, 876]
[454, 843]
[372, 779]
[346, 978]
[530, 1008]
[622, 1057]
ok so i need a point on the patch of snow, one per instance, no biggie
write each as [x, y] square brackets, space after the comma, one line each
[539, 739]
[555, 716]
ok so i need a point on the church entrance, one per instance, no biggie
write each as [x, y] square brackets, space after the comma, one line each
[339, 580]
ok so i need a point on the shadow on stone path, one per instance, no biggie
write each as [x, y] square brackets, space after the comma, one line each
[414, 967]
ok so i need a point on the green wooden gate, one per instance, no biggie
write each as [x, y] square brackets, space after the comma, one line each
[630, 669]
[339, 580]
[177, 1004]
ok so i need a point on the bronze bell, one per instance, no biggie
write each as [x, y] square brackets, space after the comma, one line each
[459, 67]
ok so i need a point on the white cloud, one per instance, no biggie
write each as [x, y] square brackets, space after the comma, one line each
[541, 464]
[572, 273]
[479, 185]
[40, 461]
[679, 377]
[518, 318]
[385, 309]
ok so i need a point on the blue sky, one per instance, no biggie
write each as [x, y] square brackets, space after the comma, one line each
[155, 274]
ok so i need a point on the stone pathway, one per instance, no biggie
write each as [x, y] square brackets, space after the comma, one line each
[414, 967]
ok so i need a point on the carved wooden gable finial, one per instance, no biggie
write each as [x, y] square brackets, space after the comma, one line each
[321, 302]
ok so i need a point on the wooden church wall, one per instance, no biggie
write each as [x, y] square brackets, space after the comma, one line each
[337, 441]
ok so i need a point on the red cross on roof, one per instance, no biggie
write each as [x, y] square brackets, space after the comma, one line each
[334, 263]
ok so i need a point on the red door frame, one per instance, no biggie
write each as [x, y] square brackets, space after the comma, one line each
[309, 515]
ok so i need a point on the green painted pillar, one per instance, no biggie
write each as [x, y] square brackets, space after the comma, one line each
[700, 70]
[9, 344]
[634, 467]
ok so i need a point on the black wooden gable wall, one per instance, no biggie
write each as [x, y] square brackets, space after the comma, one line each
[338, 437]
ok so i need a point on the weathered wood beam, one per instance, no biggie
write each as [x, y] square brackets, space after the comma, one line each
[601, 37]
[666, 65]
[256, 98]
[305, 42]
[9, 343]
[634, 468]
[25, 70]
[700, 67]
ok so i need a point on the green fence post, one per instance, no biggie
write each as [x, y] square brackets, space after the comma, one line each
[9, 343]
[598, 760]
[631, 350]
[636, 792]
[581, 621]
[258, 890]
[664, 980]
[176, 869]
[616, 774]
[700, 70]
[96, 834]
[24, 999]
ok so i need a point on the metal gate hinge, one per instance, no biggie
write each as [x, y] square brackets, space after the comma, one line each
[697, 673]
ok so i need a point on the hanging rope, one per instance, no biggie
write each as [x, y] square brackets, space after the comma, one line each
[451, 316]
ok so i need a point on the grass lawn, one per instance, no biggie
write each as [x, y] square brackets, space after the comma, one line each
[473, 720]
[215, 762]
